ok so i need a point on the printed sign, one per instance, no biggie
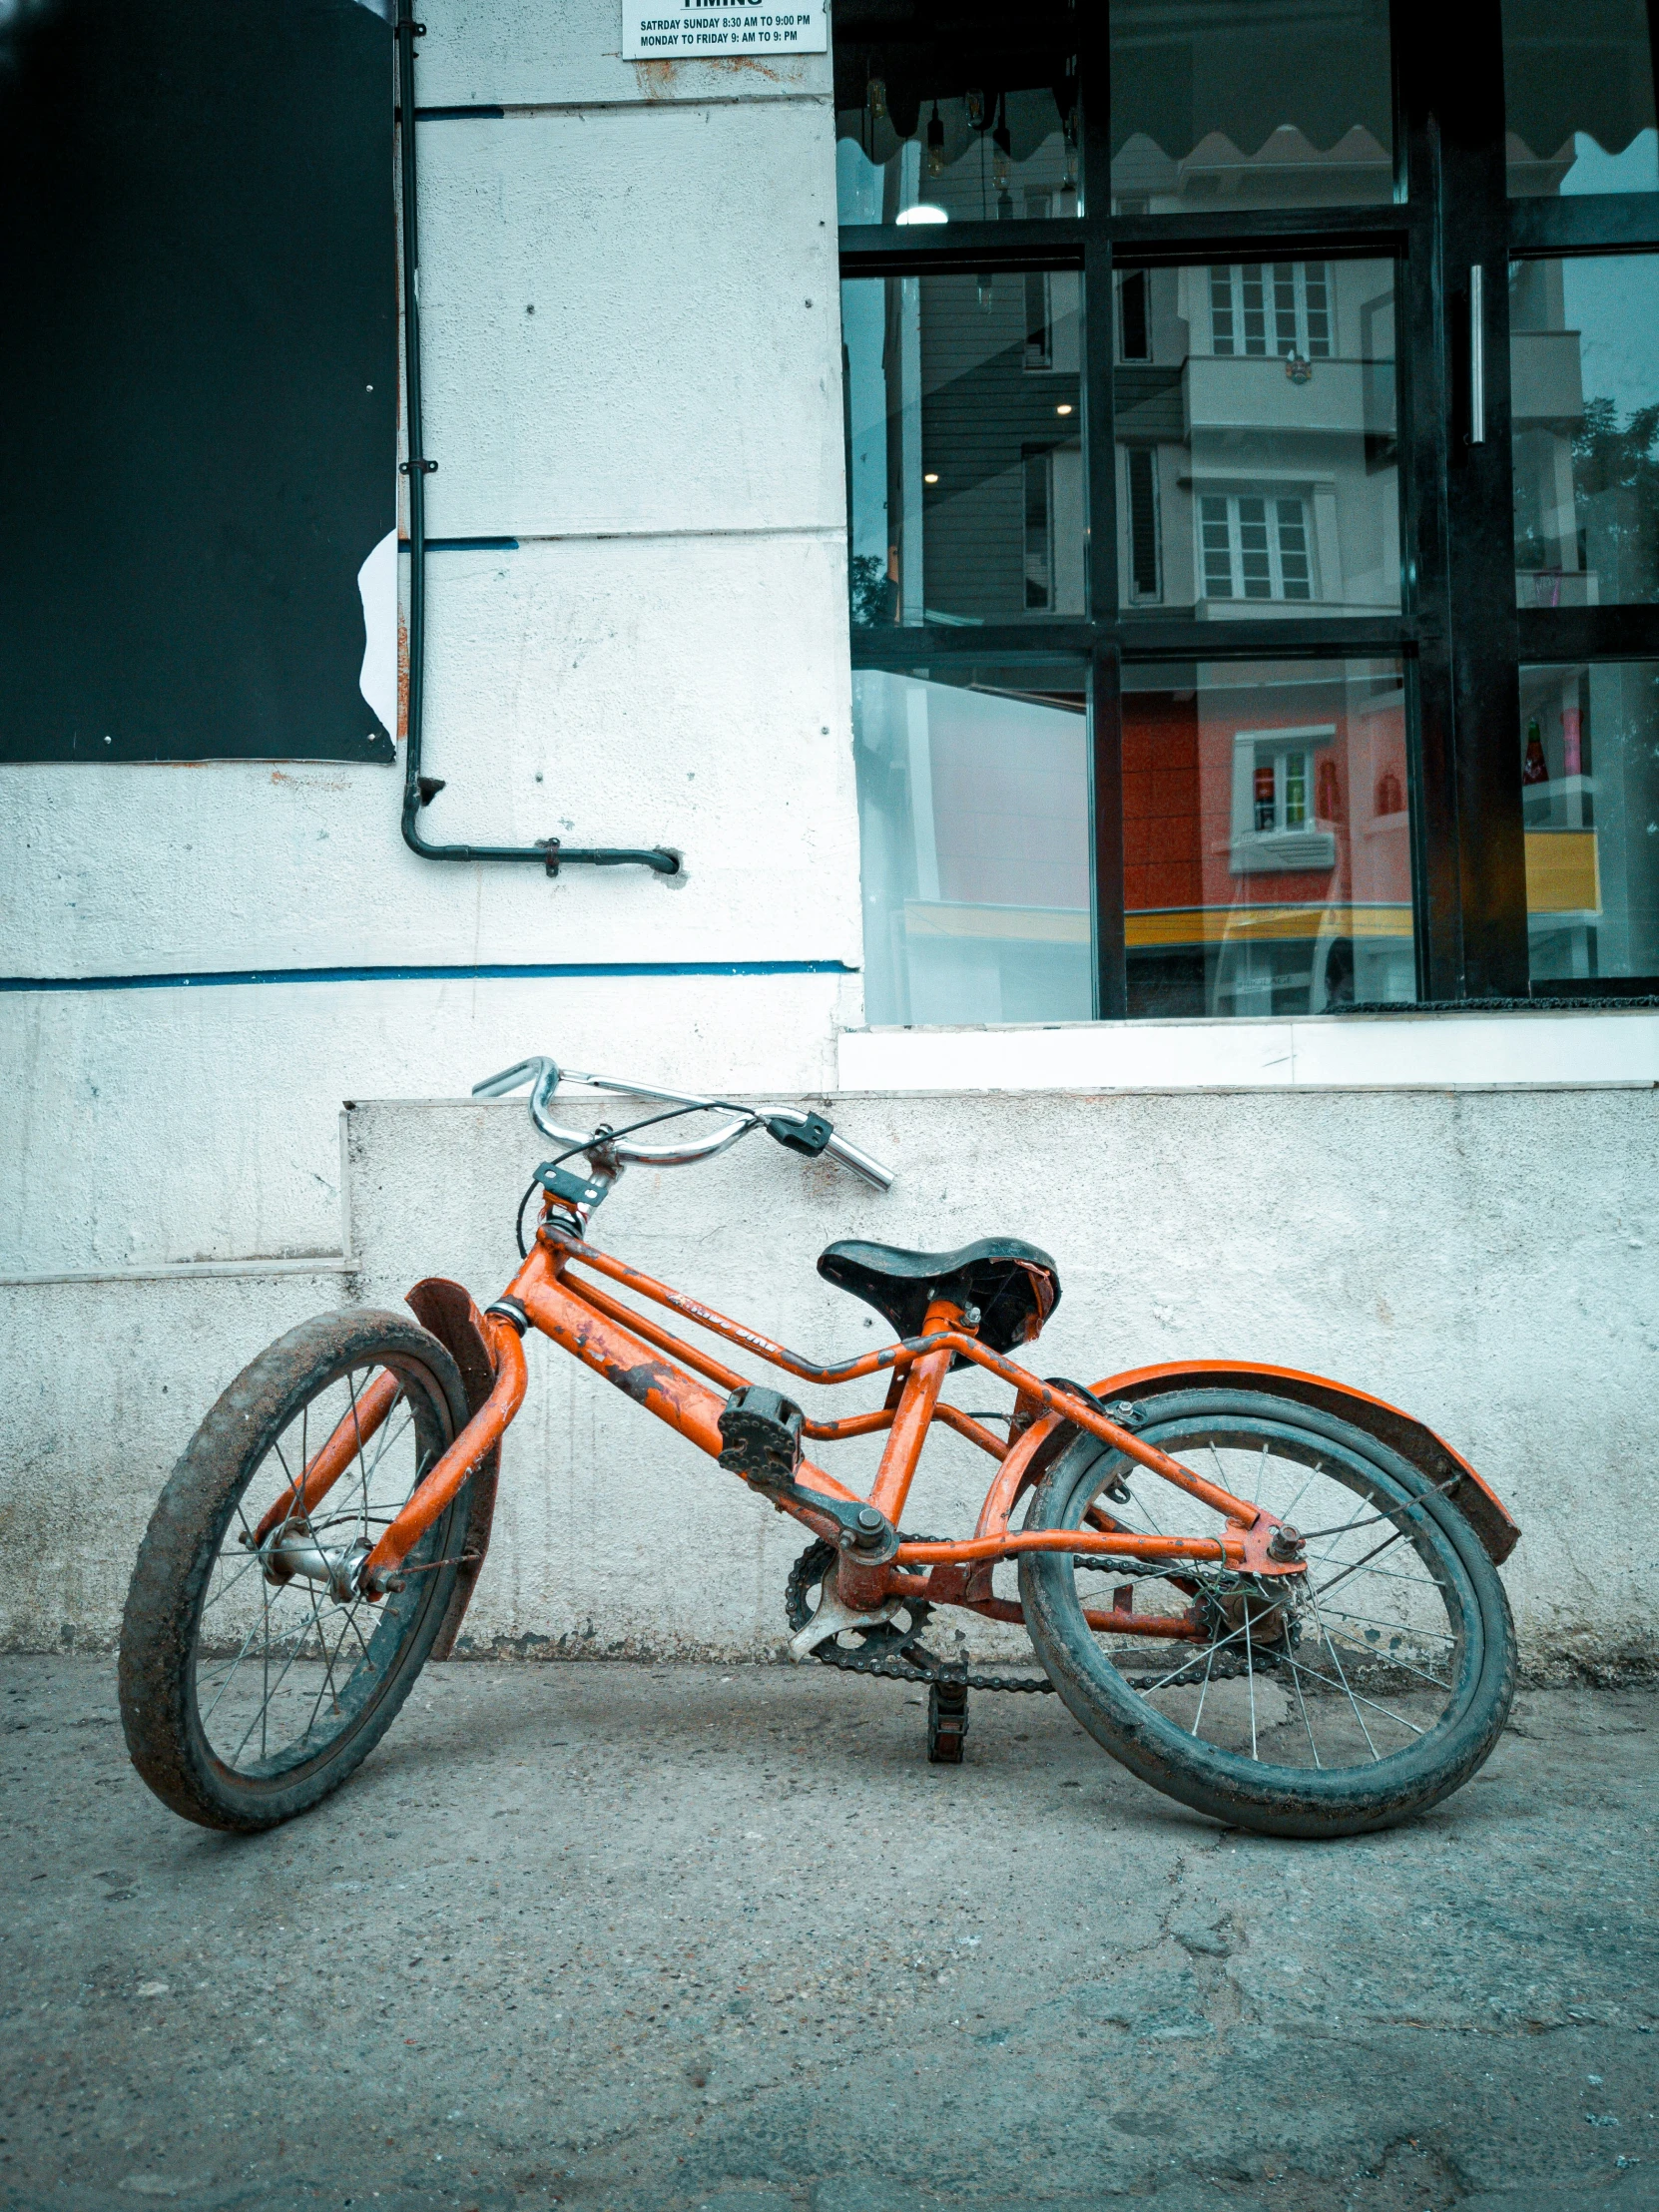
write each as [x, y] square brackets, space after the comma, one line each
[677, 30]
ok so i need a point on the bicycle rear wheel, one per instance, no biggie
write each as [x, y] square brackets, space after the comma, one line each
[1324, 1705]
[248, 1691]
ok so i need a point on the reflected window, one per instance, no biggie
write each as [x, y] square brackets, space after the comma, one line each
[1589, 770]
[1283, 106]
[1578, 90]
[937, 122]
[964, 462]
[1267, 846]
[1280, 308]
[974, 801]
[1584, 397]
[1255, 412]
[1254, 548]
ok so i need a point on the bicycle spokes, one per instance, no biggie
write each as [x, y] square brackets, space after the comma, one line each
[1354, 1660]
[286, 1644]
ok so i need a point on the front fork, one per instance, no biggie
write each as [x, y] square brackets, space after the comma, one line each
[285, 1539]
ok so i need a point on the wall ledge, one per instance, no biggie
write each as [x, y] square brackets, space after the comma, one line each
[188, 1270]
[1570, 1049]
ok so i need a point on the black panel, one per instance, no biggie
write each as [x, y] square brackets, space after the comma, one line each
[199, 379]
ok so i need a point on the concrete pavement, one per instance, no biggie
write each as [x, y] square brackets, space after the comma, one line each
[666, 1939]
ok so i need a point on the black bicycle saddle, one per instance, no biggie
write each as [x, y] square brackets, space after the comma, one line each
[1014, 1285]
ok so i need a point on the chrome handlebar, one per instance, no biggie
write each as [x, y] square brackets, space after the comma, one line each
[544, 1076]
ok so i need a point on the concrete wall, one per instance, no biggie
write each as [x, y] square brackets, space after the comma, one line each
[664, 659]
[1484, 1258]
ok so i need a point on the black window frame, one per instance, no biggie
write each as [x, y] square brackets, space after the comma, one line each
[1460, 634]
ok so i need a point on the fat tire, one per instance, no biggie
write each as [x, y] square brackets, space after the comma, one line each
[165, 1737]
[1272, 1800]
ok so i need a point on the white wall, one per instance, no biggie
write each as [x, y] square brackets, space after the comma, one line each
[664, 659]
[1485, 1258]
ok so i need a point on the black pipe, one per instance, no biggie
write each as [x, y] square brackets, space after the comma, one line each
[549, 854]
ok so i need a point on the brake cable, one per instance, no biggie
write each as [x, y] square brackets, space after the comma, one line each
[604, 1135]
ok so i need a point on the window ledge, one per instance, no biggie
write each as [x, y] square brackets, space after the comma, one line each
[1385, 1051]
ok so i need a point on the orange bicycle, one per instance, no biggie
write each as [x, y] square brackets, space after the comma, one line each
[1271, 1596]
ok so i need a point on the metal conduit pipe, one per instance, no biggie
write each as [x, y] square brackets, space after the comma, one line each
[417, 790]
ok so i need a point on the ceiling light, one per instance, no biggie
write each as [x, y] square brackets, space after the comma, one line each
[929, 479]
[1065, 410]
[923, 212]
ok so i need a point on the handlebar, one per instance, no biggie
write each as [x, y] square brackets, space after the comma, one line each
[544, 1075]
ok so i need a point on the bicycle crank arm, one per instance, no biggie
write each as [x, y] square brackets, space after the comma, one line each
[859, 1529]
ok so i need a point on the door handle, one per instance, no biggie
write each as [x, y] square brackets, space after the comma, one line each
[1477, 354]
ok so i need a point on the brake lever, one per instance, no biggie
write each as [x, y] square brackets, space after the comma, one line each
[800, 1132]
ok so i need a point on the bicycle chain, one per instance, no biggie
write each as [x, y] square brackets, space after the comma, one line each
[890, 1661]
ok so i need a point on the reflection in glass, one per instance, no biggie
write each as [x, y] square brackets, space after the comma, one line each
[1589, 767]
[1579, 89]
[973, 806]
[964, 465]
[1584, 395]
[965, 128]
[1266, 838]
[1286, 104]
[1257, 467]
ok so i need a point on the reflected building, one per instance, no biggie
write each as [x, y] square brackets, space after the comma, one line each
[1239, 828]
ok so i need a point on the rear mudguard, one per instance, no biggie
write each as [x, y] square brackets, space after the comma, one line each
[1417, 1444]
[449, 1312]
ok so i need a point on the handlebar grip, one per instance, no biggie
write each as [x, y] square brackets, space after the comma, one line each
[861, 1163]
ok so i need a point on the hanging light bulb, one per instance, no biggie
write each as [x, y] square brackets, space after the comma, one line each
[935, 145]
[986, 291]
[1003, 146]
[974, 101]
[1068, 170]
[879, 98]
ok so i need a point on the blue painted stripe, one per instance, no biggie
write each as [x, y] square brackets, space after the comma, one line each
[487, 970]
[464, 545]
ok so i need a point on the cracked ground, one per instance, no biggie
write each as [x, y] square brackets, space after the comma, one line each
[692, 1941]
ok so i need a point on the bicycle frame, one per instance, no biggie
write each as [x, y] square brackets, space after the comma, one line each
[659, 1372]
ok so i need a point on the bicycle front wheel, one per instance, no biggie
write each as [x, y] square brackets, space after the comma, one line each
[250, 1690]
[1322, 1705]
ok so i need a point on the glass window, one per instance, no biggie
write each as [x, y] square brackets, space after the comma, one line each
[1228, 101]
[1589, 768]
[964, 463]
[1584, 395]
[973, 803]
[1579, 88]
[962, 129]
[1259, 464]
[1267, 836]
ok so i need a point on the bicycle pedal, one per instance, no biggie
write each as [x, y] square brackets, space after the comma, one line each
[947, 1723]
[760, 1429]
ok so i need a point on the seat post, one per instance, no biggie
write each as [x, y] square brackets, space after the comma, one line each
[916, 1410]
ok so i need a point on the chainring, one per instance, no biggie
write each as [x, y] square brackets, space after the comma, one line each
[885, 1641]
[889, 1649]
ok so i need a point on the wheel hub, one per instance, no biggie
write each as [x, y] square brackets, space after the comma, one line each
[294, 1550]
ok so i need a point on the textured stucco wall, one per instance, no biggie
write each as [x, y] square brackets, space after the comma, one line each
[1486, 1259]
